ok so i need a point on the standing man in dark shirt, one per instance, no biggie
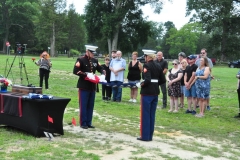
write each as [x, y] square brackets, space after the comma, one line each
[164, 65]
[84, 68]
[153, 77]
[190, 91]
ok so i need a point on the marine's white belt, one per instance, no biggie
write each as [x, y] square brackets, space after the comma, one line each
[154, 80]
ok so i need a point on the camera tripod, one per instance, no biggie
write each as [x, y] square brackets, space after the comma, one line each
[21, 67]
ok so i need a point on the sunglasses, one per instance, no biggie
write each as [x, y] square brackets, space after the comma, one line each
[174, 64]
[107, 60]
[202, 53]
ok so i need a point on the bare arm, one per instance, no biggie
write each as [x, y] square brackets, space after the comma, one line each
[206, 74]
[165, 71]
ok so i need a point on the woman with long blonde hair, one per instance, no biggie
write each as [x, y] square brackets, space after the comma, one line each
[183, 68]
[44, 64]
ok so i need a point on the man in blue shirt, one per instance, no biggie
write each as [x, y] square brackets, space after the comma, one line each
[117, 67]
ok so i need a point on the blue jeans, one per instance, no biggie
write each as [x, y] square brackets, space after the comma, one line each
[116, 91]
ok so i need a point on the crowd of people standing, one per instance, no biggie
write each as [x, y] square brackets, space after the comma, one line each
[181, 80]
[187, 77]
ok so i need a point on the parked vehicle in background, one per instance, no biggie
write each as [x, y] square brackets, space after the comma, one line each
[141, 59]
[234, 64]
[213, 61]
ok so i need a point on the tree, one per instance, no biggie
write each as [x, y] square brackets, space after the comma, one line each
[184, 40]
[154, 40]
[51, 23]
[164, 46]
[219, 15]
[75, 29]
[16, 16]
[108, 18]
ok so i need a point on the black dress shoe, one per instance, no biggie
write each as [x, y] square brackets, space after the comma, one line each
[90, 126]
[84, 127]
[140, 139]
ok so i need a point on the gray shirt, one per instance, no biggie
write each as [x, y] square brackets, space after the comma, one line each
[44, 63]
[209, 62]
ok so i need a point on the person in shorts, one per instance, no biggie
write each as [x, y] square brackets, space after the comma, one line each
[190, 91]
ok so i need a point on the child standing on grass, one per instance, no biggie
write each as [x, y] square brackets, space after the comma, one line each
[106, 90]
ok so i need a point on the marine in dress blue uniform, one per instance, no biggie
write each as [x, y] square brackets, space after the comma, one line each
[87, 90]
[153, 77]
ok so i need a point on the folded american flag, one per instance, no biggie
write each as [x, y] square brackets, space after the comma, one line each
[39, 96]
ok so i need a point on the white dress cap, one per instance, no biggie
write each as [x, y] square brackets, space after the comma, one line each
[92, 48]
[148, 52]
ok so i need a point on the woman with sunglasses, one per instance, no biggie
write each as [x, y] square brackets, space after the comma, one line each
[44, 69]
[174, 76]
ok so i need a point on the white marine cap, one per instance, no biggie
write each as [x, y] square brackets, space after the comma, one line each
[90, 48]
[150, 53]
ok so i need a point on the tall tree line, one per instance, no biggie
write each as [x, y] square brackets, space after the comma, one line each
[41, 24]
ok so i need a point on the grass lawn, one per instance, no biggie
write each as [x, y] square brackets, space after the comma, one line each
[217, 125]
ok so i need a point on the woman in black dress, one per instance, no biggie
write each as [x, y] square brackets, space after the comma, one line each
[134, 76]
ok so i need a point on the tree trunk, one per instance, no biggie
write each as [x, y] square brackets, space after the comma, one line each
[109, 47]
[5, 13]
[53, 39]
[113, 43]
[224, 39]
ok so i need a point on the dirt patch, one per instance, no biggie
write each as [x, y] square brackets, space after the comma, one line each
[175, 145]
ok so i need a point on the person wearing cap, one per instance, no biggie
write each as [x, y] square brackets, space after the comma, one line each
[190, 91]
[181, 56]
[153, 77]
[117, 67]
[164, 64]
[204, 54]
[85, 66]
[44, 68]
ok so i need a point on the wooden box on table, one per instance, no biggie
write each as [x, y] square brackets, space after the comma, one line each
[25, 89]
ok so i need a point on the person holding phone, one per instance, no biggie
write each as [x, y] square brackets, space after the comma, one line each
[44, 68]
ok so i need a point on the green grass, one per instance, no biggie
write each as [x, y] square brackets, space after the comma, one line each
[217, 125]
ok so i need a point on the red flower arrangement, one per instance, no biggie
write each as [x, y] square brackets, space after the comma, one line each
[5, 82]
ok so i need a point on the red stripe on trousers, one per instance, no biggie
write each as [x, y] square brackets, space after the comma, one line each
[1, 100]
[80, 107]
[141, 117]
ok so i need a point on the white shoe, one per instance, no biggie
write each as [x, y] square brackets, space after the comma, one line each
[130, 100]
[175, 111]
[170, 110]
[134, 100]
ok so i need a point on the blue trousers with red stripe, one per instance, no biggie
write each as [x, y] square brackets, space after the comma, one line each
[147, 119]
[86, 105]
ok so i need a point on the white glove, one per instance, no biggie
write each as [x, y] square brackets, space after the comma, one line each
[102, 78]
[90, 76]
[138, 85]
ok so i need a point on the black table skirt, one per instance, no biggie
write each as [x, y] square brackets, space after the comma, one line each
[33, 115]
